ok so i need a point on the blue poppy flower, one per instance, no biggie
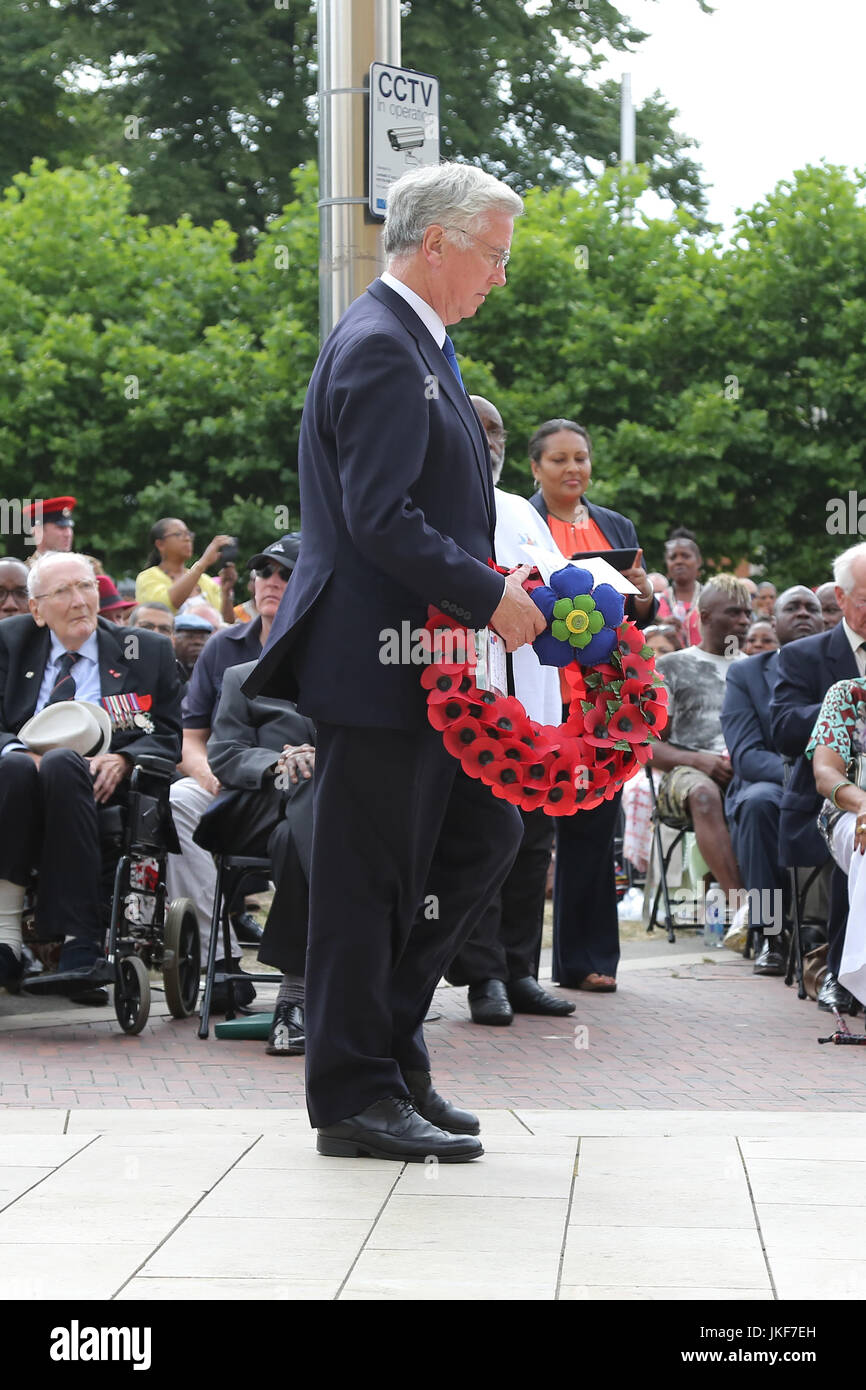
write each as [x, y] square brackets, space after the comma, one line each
[582, 618]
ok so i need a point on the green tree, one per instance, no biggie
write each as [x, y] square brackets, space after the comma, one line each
[143, 369]
[209, 107]
[723, 387]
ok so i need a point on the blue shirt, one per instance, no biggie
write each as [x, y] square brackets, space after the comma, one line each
[85, 672]
[229, 647]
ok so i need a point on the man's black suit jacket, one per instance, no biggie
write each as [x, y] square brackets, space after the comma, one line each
[807, 668]
[398, 513]
[131, 661]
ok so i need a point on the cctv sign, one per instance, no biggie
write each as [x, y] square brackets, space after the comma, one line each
[404, 127]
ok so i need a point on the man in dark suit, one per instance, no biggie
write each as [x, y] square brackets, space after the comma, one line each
[48, 803]
[398, 514]
[806, 671]
[754, 794]
[263, 752]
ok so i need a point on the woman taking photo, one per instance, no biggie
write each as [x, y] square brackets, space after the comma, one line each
[585, 923]
[167, 580]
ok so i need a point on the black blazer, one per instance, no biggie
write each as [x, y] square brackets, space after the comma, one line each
[618, 531]
[248, 735]
[398, 513]
[746, 726]
[806, 670]
[24, 651]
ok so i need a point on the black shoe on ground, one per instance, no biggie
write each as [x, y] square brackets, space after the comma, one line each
[488, 1003]
[392, 1128]
[287, 1034]
[527, 997]
[247, 929]
[11, 970]
[435, 1109]
[772, 958]
[832, 995]
[243, 990]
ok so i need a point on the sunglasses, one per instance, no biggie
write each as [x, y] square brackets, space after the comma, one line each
[265, 572]
[19, 593]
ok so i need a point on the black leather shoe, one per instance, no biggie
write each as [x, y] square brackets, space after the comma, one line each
[488, 1003]
[435, 1108]
[392, 1128]
[771, 958]
[247, 929]
[243, 990]
[11, 970]
[287, 1034]
[527, 997]
[832, 995]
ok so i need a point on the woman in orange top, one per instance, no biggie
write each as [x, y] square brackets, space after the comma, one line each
[585, 923]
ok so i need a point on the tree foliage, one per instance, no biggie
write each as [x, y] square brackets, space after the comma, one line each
[209, 105]
[147, 371]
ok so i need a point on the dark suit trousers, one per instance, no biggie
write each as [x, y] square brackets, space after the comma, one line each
[585, 922]
[506, 941]
[754, 831]
[406, 851]
[48, 821]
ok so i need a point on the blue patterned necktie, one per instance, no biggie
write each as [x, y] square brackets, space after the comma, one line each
[64, 684]
[451, 358]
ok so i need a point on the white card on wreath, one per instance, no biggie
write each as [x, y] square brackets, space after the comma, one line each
[547, 562]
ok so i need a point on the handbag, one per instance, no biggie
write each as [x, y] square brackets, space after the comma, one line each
[814, 970]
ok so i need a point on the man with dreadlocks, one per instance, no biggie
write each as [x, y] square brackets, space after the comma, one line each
[692, 755]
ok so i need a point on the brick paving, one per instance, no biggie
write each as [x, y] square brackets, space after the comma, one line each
[685, 1031]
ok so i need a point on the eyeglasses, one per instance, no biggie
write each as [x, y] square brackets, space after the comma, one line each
[267, 570]
[500, 258]
[84, 587]
[184, 535]
[166, 629]
[19, 593]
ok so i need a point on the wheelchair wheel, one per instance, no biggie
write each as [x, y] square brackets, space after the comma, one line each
[131, 994]
[181, 963]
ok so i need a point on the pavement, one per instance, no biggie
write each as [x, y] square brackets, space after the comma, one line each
[686, 1138]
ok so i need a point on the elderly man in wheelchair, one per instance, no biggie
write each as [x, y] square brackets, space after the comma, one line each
[88, 713]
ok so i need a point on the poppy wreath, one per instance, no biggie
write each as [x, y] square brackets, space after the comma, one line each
[618, 703]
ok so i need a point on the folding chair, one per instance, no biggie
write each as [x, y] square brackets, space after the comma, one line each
[232, 870]
[664, 862]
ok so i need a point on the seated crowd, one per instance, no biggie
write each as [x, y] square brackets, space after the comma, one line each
[766, 742]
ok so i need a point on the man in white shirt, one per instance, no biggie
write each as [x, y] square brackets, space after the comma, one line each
[499, 961]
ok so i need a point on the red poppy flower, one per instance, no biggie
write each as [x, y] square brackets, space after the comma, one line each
[628, 724]
[459, 736]
[642, 752]
[444, 713]
[512, 792]
[632, 690]
[595, 730]
[441, 681]
[630, 639]
[637, 668]
[561, 800]
[479, 755]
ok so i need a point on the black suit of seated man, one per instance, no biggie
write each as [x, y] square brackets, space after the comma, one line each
[262, 752]
[48, 804]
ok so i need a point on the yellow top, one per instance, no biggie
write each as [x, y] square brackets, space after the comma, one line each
[152, 586]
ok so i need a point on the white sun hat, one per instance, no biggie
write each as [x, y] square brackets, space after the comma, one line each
[77, 724]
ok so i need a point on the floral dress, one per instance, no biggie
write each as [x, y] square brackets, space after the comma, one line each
[841, 725]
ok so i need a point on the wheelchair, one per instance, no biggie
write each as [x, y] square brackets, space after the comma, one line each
[144, 931]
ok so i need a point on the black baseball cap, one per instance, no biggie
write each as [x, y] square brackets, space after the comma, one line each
[283, 552]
